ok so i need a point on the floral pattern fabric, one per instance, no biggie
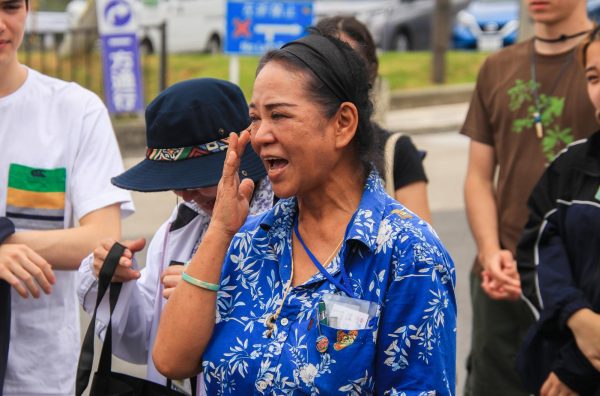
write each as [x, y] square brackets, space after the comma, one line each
[393, 259]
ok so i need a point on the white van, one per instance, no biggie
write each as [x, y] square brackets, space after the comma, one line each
[192, 25]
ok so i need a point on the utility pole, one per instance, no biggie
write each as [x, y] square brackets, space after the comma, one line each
[441, 35]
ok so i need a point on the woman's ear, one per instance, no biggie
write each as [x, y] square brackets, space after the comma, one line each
[346, 124]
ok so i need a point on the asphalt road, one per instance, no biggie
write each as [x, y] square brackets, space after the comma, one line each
[445, 164]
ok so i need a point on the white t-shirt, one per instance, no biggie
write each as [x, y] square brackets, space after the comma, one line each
[57, 155]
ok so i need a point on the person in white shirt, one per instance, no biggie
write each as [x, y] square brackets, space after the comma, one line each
[187, 136]
[57, 155]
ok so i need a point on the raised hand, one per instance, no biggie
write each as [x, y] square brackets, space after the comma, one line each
[233, 197]
[25, 270]
[124, 271]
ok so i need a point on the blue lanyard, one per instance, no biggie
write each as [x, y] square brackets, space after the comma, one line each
[345, 286]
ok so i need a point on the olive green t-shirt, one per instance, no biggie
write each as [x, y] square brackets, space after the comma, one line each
[502, 113]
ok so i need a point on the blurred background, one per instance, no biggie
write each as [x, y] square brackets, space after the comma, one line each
[421, 42]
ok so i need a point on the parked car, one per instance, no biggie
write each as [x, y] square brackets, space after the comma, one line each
[492, 24]
[396, 25]
[486, 25]
[192, 25]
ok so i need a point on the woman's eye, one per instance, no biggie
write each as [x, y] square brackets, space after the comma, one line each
[254, 119]
[277, 116]
[12, 5]
[591, 78]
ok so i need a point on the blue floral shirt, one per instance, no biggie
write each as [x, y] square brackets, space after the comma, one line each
[395, 260]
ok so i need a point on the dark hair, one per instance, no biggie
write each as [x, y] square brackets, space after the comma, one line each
[358, 32]
[593, 36]
[365, 140]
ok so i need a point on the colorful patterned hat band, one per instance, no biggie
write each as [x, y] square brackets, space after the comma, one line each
[183, 153]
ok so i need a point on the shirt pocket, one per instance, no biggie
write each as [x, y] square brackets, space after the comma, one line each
[346, 365]
[35, 198]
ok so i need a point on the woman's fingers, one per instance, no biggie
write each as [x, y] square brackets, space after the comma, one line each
[246, 189]
[237, 146]
[231, 165]
[171, 278]
[133, 246]
[172, 275]
[243, 141]
[124, 274]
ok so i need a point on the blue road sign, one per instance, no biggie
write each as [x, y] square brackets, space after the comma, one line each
[120, 56]
[254, 27]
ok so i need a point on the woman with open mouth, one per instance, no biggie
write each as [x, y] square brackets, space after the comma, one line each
[338, 289]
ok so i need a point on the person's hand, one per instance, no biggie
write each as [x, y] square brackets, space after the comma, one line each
[500, 278]
[585, 325]
[553, 386]
[170, 278]
[25, 270]
[233, 197]
[124, 271]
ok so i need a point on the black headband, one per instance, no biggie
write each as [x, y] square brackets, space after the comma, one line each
[326, 60]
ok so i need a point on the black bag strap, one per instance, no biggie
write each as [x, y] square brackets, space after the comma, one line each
[86, 357]
[5, 313]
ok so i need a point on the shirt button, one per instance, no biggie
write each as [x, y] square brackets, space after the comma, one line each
[262, 385]
[284, 322]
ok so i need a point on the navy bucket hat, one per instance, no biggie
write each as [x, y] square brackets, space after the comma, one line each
[187, 130]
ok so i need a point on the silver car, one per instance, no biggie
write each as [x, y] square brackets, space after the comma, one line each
[396, 25]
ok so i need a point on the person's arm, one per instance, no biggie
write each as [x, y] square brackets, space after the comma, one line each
[64, 249]
[410, 180]
[414, 197]
[500, 278]
[416, 338]
[135, 310]
[191, 310]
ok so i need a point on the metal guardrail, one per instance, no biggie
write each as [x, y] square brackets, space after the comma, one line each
[74, 55]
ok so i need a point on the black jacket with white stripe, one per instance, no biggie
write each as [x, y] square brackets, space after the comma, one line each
[558, 256]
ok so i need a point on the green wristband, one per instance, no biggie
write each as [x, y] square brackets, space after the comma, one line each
[198, 283]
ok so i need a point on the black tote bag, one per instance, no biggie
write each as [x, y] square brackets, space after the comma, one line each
[107, 382]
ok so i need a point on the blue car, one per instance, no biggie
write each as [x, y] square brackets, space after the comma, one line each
[486, 25]
[489, 25]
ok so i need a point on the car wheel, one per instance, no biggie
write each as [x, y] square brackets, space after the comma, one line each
[146, 47]
[402, 42]
[214, 45]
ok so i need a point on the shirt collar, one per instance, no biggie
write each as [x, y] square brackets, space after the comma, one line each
[364, 225]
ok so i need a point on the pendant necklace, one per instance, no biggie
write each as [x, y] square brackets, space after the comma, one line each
[537, 115]
[561, 38]
[270, 321]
